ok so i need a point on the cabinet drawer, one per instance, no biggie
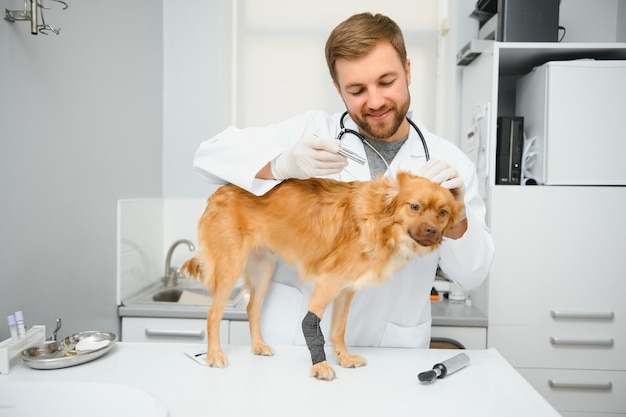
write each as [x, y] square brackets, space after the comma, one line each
[567, 347]
[580, 391]
[143, 329]
[547, 310]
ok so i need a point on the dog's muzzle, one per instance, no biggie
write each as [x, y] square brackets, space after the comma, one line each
[426, 235]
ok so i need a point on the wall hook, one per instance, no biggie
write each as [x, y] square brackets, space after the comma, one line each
[33, 13]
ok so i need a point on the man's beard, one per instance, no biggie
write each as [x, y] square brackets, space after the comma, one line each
[379, 132]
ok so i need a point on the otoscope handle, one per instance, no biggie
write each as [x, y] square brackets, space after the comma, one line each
[447, 367]
[450, 366]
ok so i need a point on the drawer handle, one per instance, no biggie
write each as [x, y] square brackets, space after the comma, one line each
[605, 386]
[175, 333]
[581, 315]
[608, 341]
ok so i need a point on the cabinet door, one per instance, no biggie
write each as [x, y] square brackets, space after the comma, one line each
[559, 256]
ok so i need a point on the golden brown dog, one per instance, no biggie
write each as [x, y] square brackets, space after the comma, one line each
[342, 235]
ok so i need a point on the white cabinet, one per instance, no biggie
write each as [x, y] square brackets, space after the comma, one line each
[556, 288]
[556, 309]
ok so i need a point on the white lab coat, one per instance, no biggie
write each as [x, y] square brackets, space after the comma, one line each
[395, 314]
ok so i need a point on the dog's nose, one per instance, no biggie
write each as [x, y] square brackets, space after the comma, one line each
[430, 231]
[426, 234]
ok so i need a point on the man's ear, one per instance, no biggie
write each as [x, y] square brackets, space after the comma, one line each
[407, 71]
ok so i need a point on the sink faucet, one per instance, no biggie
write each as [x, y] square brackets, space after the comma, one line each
[170, 277]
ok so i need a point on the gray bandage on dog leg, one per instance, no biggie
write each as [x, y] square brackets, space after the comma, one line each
[314, 337]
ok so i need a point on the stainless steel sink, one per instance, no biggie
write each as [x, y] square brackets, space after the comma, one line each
[171, 295]
[188, 299]
[186, 292]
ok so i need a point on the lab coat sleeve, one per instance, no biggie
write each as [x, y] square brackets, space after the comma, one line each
[236, 155]
[467, 260]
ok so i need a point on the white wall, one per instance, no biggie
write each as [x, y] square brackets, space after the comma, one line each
[196, 87]
[80, 127]
[281, 68]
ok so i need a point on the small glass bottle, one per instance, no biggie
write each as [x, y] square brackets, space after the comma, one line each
[13, 327]
[21, 329]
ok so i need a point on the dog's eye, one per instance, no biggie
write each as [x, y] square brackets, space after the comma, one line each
[443, 213]
[414, 207]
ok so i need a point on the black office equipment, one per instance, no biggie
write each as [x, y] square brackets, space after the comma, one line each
[509, 149]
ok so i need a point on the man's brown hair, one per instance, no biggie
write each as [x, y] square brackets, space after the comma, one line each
[356, 36]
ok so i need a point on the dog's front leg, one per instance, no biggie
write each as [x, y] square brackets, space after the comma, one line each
[325, 290]
[341, 306]
[315, 342]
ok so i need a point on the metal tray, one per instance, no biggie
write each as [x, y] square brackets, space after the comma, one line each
[73, 350]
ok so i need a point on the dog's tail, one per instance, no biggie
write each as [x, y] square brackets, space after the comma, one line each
[192, 268]
[198, 268]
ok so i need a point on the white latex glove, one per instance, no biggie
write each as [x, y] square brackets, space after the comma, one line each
[309, 157]
[442, 173]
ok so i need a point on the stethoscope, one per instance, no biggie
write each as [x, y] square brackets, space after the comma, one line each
[349, 154]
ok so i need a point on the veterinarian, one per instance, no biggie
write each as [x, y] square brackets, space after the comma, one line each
[366, 57]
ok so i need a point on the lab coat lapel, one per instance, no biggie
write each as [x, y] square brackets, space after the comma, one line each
[411, 156]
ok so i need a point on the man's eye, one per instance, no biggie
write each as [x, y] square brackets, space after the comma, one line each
[387, 83]
[355, 93]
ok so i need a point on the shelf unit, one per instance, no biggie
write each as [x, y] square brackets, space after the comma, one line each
[491, 78]
[554, 292]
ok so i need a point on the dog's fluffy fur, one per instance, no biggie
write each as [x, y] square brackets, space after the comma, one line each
[342, 235]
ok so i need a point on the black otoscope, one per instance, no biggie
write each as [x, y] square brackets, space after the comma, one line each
[447, 367]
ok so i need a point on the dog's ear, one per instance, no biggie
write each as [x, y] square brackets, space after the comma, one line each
[403, 177]
[391, 191]
[458, 208]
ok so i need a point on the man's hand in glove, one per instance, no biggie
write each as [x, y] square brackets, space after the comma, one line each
[309, 157]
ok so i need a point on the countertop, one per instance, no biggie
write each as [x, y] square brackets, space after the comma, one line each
[444, 313]
[281, 386]
[447, 313]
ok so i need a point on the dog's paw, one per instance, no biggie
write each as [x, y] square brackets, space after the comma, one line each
[351, 361]
[217, 359]
[323, 371]
[262, 349]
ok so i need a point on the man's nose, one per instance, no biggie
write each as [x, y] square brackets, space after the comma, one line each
[375, 99]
